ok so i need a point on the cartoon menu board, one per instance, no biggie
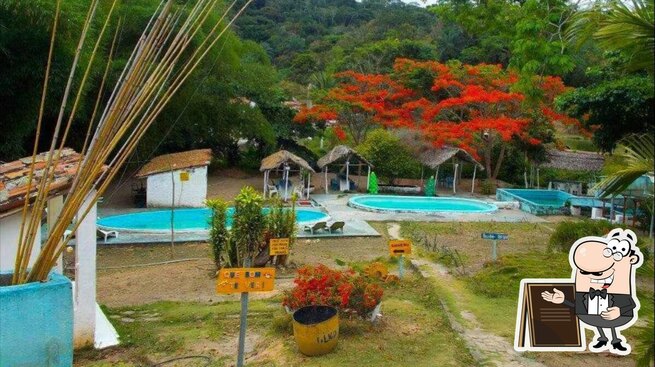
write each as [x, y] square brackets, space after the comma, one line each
[544, 324]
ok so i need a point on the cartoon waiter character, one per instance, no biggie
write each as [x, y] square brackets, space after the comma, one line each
[604, 274]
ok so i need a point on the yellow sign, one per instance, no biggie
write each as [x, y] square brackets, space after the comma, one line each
[240, 280]
[184, 176]
[400, 247]
[279, 246]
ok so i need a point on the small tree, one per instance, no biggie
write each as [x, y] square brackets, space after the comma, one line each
[219, 236]
[248, 225]
[281, 223]
[373, 184]
[429, 187]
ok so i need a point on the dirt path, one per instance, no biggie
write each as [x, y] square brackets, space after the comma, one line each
[487, 348]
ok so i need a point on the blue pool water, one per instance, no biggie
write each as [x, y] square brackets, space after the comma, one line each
[420, 204]
[539, 202]
[185, 219]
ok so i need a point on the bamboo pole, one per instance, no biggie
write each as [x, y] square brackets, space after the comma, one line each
[138, 97]
[18, 270]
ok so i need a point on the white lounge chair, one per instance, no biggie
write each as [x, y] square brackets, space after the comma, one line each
[106, 234]
[318, 226]
[66, 233]
[272, 190]
[336, 226]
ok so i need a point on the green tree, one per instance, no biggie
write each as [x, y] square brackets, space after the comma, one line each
[389, 155]
[25, 30]
[616, 105]
[248, 225]
[617, 26]
[219, 236]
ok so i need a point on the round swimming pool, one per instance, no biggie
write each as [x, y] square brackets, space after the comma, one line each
[185, 219]
[420, 204]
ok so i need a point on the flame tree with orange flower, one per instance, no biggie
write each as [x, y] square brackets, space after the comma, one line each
[357, 103]
[473, 107]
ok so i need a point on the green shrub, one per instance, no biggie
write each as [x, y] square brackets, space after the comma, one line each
[248, 225]
[568, 232]
[487, 187]
[389, 156]
[219, 237]
[502, 278]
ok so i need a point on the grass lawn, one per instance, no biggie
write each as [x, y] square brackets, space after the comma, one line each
[490, 290]
[413, 331]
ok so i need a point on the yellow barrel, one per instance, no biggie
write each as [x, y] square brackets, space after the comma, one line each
[316, 329]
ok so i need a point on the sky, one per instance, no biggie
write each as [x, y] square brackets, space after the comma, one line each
[422, 2]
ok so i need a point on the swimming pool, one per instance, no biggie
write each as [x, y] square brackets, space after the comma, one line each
[539, 202]
[185, 220]
[420, 204]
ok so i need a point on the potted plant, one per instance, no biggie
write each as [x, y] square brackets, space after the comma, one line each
[316, 329]
[349, 293]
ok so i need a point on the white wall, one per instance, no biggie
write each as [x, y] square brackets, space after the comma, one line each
[84, 296]
[190, 193]
[9, 231]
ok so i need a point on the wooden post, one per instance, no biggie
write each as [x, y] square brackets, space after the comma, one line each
[475, 170]
[538, 178]
[265, 183]
[309, 180]
[436, 181]
[455, 178]
[286, 181]
[326, 180]
[172, 211]
[368, 178]
[347, 179]
[612, 210]
[634, 212]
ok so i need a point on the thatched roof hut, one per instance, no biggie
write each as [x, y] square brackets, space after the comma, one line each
[180, 160]
[579, 161]
[282, 157]
[435, 157]
[342, 153]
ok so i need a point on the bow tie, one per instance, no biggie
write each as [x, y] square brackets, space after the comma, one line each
[597, 293]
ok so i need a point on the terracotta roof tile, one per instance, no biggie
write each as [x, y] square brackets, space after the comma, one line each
[14, 177]
[11, 166]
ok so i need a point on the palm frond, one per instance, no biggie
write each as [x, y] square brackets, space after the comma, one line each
[618, 27]
[639, 160]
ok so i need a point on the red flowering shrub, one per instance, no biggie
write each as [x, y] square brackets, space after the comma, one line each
[345, 290]
[341, 135]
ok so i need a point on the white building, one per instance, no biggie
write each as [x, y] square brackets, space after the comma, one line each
[91, 327]
[178, 179]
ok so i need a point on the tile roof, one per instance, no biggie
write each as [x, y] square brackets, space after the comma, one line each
[14, 178]
[181, 160]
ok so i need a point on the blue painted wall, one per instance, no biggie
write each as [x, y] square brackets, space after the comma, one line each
[36, 324]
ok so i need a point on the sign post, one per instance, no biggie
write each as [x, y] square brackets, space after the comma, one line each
[400, 248]
[278, 246]
[494, 237]
[244, 280]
